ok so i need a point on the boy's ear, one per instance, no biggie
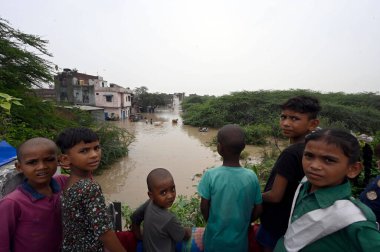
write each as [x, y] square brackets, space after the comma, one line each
[64, 161]
[313, 124]
[150, 194]
[354, 170]
[18, 166]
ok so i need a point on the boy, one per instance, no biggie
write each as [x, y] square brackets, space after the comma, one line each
[161, 228]
[30, 218]
[298, 118]
[230, 196]
[86, 223]
[325, 217]
[371, 194]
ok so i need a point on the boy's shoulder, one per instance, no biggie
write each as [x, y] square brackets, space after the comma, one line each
[86, 185]
[294, 148]
[61, 180]
[15, 195]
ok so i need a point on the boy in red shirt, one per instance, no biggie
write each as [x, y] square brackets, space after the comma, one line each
[30, 218]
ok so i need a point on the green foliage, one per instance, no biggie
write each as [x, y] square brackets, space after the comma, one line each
[6, 101]
[357, 112]
[21, 64]
[257, 134]
[126, 212]
[186, 209]
[264, 168]
[144, 99]
[114, 142]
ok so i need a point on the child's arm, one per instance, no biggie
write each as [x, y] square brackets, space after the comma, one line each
[187, 234]
[205, 208]
[137, 218]
[8, 220]
[111, 242]
[256, 212]
[276, 194]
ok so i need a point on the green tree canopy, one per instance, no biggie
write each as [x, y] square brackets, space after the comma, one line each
[21, 64]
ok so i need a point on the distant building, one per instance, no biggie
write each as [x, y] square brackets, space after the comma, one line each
[76, 88]
[180, 96]
[96, 112]
[116, 101]
[73, 88]
[45, 93]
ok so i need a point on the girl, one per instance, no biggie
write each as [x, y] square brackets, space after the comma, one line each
[324, 216]
[86, 224]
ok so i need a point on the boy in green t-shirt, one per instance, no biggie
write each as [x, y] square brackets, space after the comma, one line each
[230, 196]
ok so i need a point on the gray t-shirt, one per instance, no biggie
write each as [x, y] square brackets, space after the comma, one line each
[161, 228]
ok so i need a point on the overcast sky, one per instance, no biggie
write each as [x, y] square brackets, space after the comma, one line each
[211, 46]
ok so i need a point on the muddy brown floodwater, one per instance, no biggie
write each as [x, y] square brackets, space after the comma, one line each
[181, 149]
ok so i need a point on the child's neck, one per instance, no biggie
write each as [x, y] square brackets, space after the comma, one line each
[299, 139]
[43, 189]
[80, 173]
[231, 163]
[76, 175]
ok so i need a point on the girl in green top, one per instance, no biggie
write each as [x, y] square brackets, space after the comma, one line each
[324, 216]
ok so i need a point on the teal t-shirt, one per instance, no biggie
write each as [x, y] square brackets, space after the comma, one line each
[233, 192]
[359, 236]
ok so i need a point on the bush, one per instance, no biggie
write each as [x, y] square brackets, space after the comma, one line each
[186, 209]
[257, 134]
[114, 142]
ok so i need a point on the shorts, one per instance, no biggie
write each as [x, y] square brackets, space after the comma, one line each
[266, 239]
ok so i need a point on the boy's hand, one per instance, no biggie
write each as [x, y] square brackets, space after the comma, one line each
[276, 194]
[256, 212]
[187, 234]
[205, 208]
[136, 231]
[111, 242]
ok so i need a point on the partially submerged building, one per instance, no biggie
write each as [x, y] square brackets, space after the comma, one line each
[115, 100]
[74, 88]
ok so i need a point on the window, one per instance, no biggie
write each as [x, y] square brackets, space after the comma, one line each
[108, 98]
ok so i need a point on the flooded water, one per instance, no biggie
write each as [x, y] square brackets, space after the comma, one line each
[181, 149]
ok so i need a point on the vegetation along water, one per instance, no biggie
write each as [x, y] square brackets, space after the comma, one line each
[24, 66]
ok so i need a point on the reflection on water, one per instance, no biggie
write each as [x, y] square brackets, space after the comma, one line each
[181, 149]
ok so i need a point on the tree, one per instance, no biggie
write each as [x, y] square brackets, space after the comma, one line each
[6, 101]
[140, 90]
[21, 64]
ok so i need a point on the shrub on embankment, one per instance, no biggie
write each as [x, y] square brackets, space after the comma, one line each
[39, 118]
[258, 111]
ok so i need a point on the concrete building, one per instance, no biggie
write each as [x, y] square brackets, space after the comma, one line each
[73, 88]
[116, 101]
[76, 88]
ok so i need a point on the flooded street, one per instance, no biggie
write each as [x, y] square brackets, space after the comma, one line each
[181, 149]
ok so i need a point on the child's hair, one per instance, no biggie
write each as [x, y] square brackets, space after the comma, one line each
[33, 142]
[232, 137]
[341, 139]
[303, 104]
[72, 136]
[158, 173]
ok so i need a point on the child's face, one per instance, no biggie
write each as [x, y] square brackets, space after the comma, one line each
[325, 165]
[38, 163]
[163, 192]
[83, 156]
[294, 124]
